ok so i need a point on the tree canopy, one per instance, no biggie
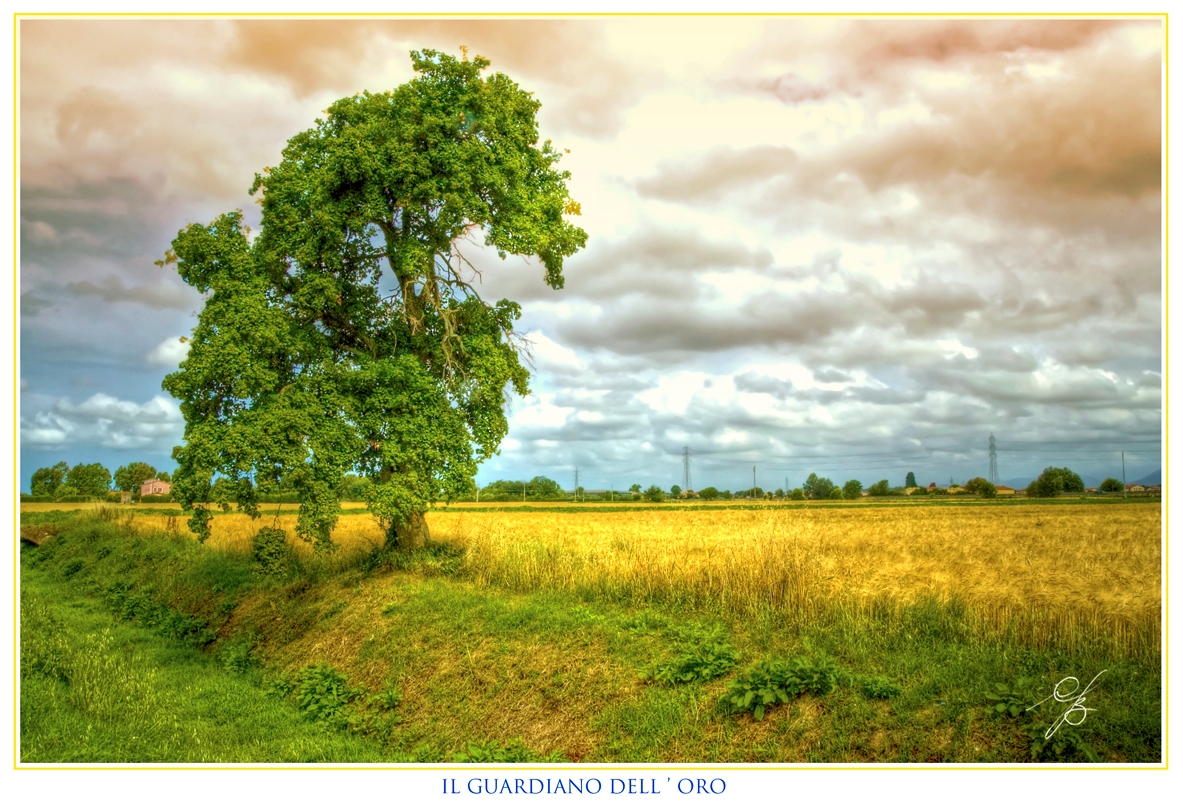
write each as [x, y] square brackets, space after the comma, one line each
[819, 488]
[1111, 484]
[92, 479]
[132, 476]
[47, 479]
[348, 335]
[1054, 480]
[853, 489]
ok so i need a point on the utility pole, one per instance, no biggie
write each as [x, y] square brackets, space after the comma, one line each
[752, 493]
[1124, 491]
[993, 462]
[686, 469]
[576, 492]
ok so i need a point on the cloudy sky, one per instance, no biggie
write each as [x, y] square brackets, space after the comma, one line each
[855, 247]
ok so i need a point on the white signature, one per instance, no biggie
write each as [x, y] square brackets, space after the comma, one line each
[1076, 696]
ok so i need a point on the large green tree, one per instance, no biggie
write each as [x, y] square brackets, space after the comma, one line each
[1111, 484]
[89, 478]
[1054, 480]
[348, 336]
[818, 488]
[47, 479]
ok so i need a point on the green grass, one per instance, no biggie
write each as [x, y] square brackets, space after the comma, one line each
[97, 690]
[402, 658]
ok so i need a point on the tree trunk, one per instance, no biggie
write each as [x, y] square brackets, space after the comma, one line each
[409, 535]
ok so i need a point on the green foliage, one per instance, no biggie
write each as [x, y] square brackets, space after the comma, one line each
[879, 489]
[45, 481]
[271, 552]
[675, 490]
[133, 476]
[910, 481]
[818, 488]
[700, 655]
[881, 687]
[853, 490]
[437, 558]
[835, 493]
[89, 479]
[305, 366]
[709, 493]
[797, 494]
[982, 487]
[1052, 481]
[654, 494]
[238, 656]
[321, 694]
[540, 488]
[1019, 702]
[1111, 484]
[777, 681]
[1065, 742]
[515, 750]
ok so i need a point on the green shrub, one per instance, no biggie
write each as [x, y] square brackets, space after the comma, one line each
[434, 559]
[777, 681]
[271, 552]
[321, 694]
[701, 654]
[1019, 703]
[881, 687]
[238, 656]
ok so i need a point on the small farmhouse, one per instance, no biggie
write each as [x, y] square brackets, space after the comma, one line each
[155, 487]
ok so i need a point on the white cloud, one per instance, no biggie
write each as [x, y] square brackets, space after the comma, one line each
[104, 421]
[169, 352]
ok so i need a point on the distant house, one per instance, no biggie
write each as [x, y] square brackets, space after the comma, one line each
[932, 486]
[1004, 491]
[155, 487]
[1135, 487]
[688, 495]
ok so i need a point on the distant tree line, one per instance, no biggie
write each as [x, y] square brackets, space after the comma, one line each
[88, 481]
[62, 482]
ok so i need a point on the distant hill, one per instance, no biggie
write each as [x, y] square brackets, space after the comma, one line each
[1092, 481]
[1152, 479]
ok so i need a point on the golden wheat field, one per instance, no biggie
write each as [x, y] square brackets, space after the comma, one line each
[1050, 572]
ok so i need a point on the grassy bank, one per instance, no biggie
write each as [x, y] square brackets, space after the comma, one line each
[430, 657]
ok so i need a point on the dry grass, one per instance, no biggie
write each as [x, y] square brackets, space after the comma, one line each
[1041, 573]
[1046, 574]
